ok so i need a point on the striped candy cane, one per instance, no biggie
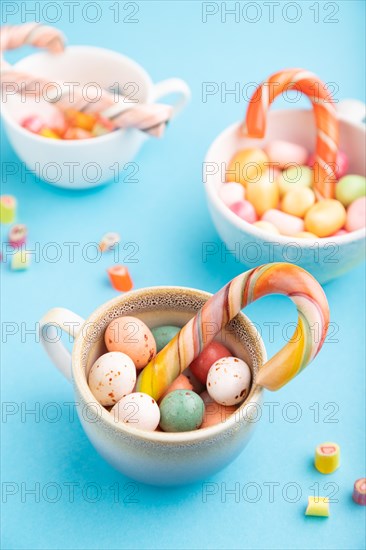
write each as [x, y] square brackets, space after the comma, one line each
[277, 278]
[325, 116]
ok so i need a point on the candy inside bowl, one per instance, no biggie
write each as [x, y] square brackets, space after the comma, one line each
[253, 230]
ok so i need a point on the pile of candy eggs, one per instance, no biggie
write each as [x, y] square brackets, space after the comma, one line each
[272, 189]
[205, 394]
[69, 125]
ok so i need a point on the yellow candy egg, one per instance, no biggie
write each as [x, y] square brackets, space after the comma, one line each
[263, 194]
[267, 226]
[295, 177]
[247, 165]
[325, 218]
[298, 201]
[305, 235]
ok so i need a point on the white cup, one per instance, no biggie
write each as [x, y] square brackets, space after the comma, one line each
[81, 164]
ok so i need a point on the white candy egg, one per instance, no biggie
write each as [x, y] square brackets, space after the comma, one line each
[111, 377]
[228, 381]
[138, 410]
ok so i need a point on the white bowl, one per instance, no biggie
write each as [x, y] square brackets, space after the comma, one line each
[80, 164]
[325, 258]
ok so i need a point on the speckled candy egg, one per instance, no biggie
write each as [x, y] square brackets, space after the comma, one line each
[181, 411]
[228, 381]
[111, 377]
[131, 336]
[163, 335]
[139, 410]
[202, 364]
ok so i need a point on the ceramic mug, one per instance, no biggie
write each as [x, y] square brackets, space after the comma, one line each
[160, 458]
[325, 258]
[80, 164]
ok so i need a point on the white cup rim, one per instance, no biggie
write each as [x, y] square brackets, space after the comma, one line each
[116, 134]
[243, 225]
[80, 382]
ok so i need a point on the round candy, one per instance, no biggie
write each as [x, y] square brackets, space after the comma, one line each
[245, 210]
[181, 411]
[180, 383]
[341, 168]
[281, 153]
[210, 354]
[266, 226]
[356, 215]
[305, 235]
[263, 194]
[232, 192]
[285, 223]
[214, 412]
[163, 335]
[298, 201]
[294, 177]
[325, 217]
[139, 410]
[228, 381]
[111, 377]
[350, 188]
[359, 491]
[247, 165]
[131, 336]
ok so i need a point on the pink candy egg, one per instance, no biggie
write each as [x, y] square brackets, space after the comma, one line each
[231, 193]
[281, 153]
[342, 163]
[356, 214]
[180, 383]
[245, 210]
[132, 337]
[202, 364]
[285, 223]
[214, 412]
[111, 377]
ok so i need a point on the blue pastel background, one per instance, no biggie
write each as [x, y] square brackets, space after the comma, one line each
[165, 214]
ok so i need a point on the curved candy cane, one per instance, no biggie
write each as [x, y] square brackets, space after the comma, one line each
[150, 118]
[325, 115]
[277, 278]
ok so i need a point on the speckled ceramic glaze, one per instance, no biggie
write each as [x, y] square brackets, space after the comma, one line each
[325, 258]
[156, 458]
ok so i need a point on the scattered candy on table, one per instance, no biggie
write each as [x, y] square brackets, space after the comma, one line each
[228, 381]
[20, 260]
[139, 410]
[181, 411]
[131, 336]
[17, 235]
[318, 506]
[163, 335]
[108, 241]
[111, 377]
[327, 457]
[120, 278]
[8, 207]
[359, 491]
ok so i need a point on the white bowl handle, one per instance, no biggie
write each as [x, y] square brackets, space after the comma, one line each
[55, 319]
[352, 110]
[173, 86]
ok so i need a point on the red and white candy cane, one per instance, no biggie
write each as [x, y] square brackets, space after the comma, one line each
[325, 115]
[150, 118]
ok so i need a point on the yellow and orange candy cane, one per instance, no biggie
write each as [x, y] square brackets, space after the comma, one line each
[327, 139]
[277, 278]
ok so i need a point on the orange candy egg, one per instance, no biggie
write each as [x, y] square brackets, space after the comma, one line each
[325, 218]
[247, 165]
[263, 194]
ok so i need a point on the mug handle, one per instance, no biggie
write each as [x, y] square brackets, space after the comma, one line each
[173, 86]
[67, 321]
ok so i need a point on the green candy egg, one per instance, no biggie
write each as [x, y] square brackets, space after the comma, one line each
[349, 188]
[163, 335]
[181, 411]
[294, 177]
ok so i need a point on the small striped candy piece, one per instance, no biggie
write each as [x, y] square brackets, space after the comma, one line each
[120, 278]
[359, 491]
[109, 240]
[17, 235]
[318, 506]
[327, 457]
[8, 206]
